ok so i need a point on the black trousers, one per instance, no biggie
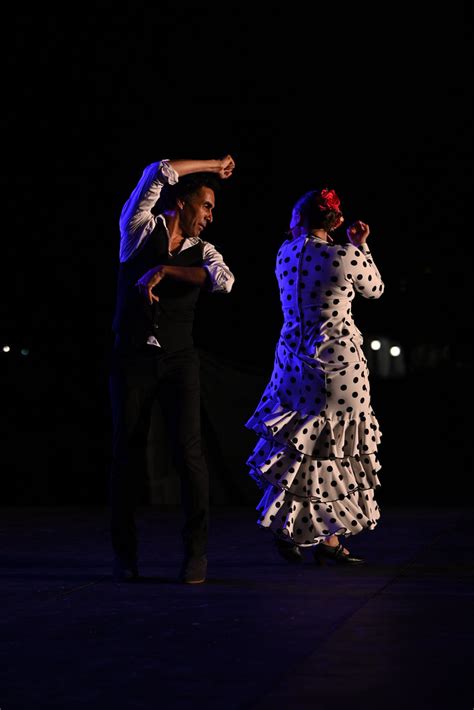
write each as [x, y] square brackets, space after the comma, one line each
[136, 381]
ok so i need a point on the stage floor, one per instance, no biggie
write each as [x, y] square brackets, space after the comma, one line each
[260, 633]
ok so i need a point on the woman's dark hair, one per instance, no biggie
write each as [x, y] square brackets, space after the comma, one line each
[186, 186]
[318, 211]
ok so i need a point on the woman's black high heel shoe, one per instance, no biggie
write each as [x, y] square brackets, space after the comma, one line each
[322, 553]
[288, 550]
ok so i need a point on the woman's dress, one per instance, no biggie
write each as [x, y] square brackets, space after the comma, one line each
[316, 456]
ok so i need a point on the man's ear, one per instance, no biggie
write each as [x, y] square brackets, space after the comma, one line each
[179, 204]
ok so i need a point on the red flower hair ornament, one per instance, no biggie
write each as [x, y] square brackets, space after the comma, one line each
[328, 200]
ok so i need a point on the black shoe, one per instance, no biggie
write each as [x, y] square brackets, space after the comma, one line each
[322, 553]
[288, 550]
[125, 572]
[194, 570]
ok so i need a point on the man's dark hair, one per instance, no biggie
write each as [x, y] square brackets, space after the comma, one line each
[186, 186]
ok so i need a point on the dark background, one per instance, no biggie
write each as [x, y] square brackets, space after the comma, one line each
[377, 106]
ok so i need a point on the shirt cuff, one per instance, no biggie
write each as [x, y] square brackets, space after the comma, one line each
[219, 280]
[168, 173]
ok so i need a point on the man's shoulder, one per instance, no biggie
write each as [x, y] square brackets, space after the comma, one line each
[206, 246]
[193, 242]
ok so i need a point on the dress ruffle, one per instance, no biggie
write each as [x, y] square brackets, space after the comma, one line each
[318, 472]
[318, 436]
[314, 479]
[308, 523]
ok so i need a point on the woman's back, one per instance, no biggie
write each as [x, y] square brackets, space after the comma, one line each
[317, 284]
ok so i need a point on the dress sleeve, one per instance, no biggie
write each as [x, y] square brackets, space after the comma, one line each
[362, 272]
[137, 219]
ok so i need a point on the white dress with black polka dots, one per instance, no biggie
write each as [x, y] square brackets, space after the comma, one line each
[316, 457]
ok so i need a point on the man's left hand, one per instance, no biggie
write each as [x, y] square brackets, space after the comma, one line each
[148, 281]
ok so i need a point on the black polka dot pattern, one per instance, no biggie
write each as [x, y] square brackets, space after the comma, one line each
[316, 458]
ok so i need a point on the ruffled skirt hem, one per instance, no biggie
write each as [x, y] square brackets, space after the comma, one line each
[307, 523]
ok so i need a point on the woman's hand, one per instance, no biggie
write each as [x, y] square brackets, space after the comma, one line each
[146, 283]
[226, 167]
[357, 233]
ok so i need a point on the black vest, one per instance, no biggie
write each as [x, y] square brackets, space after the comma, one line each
[171, 319]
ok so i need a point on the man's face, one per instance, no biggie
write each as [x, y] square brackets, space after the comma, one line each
[196, 211]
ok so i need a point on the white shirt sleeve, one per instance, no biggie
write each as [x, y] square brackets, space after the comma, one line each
[222, 279]
[136, 219]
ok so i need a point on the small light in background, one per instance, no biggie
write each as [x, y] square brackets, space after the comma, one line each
[385, 357]
[6, 348]
[25, 351]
